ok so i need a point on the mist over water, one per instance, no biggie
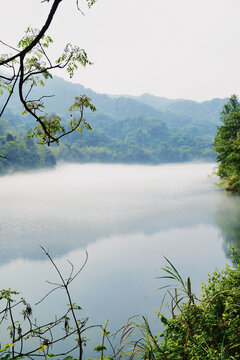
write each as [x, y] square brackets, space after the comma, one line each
[126, 216]
[76, 205]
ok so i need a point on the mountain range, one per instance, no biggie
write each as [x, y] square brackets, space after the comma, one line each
[132, 129]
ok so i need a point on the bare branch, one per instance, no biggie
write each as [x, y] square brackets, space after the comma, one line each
[65, 285]
[44, 53]
[77, 3]
[4, 157]
[50, 292]
[81, 268]
[45, 27]
[72, 269]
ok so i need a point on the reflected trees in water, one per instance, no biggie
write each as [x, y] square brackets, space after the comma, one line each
[227, 218]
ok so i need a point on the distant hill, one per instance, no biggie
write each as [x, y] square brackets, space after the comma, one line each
[119, 107]
[143, 129]
[197, 111]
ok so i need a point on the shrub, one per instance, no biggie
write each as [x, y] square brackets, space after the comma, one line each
[205, 328]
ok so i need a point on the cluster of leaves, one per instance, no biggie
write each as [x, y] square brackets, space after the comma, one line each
[91, 2]
[227, 146]
[206, 328]
[54, 125]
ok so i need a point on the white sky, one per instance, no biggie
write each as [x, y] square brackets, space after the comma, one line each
[173, 48]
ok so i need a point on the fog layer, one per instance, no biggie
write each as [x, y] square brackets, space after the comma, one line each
[75, 205]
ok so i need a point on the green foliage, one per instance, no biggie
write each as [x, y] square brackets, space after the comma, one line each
[32, 68]
[35, 65]
[4, 85]
[206, 328]
[73, 55]
[51, 125]
[227, 146]
[30, 35]
[91, 2]
[21, 151]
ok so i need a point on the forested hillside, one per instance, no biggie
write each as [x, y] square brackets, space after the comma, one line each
[145, 129]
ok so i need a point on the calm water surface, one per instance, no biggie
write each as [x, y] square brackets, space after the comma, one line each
[127, 217]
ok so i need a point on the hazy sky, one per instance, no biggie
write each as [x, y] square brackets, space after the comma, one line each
[171, 48]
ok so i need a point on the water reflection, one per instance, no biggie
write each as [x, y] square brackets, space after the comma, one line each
[227, 218]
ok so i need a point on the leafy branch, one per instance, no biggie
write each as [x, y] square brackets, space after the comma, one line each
[31, 66]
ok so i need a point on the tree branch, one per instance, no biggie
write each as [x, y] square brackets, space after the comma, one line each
[42, 32]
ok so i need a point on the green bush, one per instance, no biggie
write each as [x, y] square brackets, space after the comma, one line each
[227, 145]
[199, 329]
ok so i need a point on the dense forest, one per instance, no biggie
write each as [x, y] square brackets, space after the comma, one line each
[145, 129]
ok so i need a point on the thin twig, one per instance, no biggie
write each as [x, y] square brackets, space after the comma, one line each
[10, 94]
[77, 3]
[11, 47]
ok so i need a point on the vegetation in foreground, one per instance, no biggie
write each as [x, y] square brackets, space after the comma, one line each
[205, 328]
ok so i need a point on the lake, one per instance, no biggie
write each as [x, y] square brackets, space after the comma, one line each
[127, 217]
